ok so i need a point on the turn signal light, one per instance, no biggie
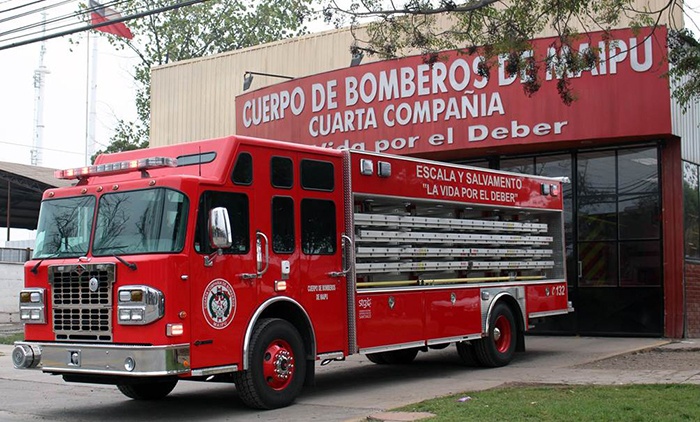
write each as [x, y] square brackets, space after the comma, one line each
[32, 309]
[173, 330]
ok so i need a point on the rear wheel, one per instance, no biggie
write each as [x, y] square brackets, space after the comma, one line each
[148, 390]
[498, 348]
[276, 366]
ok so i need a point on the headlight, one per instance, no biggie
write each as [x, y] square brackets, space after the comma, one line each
[32, 309]
[131, 295]
[139, 305]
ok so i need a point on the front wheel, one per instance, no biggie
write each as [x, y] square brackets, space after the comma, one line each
[498, 348]
[276, 366]
[148, 390]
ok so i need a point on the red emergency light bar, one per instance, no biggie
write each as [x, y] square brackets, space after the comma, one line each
[114, 168]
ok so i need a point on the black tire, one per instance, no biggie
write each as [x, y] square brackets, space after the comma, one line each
[467, 353]
[148, 390]
[276, 366]
[498, 348]
[400, 357]
[377, 358]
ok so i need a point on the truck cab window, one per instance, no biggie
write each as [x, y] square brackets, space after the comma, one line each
[64, 227]
[281, 172]
[318, 227]
[282, 224]
[237, 206]
[317, 175]
[142, 221]
[243, 170]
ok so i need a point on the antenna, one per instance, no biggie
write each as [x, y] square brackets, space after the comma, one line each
[39, 73]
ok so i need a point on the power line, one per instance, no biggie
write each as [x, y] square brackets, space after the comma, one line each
[84, 12]
[39, 31]
[35, 11]
[73, 18]
[43, 148]
[20, 6]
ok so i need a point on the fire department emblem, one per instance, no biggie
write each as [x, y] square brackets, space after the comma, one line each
[219, 304]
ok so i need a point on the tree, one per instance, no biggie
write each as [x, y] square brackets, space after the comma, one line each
[127, 136]
[684, 57]
[493, 28]
[198, 30]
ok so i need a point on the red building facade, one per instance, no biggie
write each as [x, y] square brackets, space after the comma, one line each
[615, 142]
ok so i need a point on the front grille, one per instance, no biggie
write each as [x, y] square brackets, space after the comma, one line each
[82, 301]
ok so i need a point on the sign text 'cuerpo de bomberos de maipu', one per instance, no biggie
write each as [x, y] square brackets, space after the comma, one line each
[405, 106]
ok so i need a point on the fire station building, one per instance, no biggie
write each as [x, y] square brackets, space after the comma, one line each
[632, 156]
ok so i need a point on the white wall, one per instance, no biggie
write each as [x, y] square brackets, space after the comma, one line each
[11, 276]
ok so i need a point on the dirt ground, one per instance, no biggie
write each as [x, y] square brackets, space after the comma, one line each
[654, 359]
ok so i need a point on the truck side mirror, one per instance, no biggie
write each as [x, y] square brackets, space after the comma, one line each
[220, 228]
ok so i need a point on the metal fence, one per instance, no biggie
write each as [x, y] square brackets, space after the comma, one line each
[15, 254]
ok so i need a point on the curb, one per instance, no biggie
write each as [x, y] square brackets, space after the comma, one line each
[660, 345]
[391, 416]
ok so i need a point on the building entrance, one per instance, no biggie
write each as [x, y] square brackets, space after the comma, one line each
[613, 236]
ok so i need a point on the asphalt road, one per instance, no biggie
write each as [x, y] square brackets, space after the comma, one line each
[344, 391]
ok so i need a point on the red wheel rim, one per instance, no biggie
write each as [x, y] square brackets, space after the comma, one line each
[278, 364]
[502, 334]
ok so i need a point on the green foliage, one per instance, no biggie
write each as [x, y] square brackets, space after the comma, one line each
[569, 403]
[194, 31]
[127, 136]
[684, 57]
[493, 28]
[11, 338]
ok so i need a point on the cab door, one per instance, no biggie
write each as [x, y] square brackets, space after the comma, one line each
[298, 221]
[223, 298]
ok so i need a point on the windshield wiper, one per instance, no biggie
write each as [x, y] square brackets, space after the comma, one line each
[35, 268]
[130, 265]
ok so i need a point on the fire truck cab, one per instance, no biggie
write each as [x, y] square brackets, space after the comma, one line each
[248, 260]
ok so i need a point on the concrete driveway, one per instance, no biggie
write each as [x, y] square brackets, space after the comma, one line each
[344, 390]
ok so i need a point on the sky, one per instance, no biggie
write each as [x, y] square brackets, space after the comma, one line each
[66, 93]
[65, 97]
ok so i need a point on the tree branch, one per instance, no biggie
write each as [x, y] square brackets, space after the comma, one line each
[405, 11]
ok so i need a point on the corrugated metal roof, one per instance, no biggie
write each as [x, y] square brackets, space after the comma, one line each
[23, 186]
[40, 174]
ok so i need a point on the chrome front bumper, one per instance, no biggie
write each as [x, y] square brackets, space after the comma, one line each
[101, 359]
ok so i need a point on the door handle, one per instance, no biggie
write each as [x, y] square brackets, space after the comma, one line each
[260, 257]
[347, 264]
[580, 269]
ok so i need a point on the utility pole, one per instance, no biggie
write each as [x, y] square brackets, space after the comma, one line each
[39, 75]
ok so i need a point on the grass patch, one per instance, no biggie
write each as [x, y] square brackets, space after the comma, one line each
[11, 338]
[671, 402]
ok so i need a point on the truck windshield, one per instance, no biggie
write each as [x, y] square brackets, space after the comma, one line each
[143, 221]
[64, 227]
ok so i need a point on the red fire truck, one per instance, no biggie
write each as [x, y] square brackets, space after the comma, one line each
[248, 260]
